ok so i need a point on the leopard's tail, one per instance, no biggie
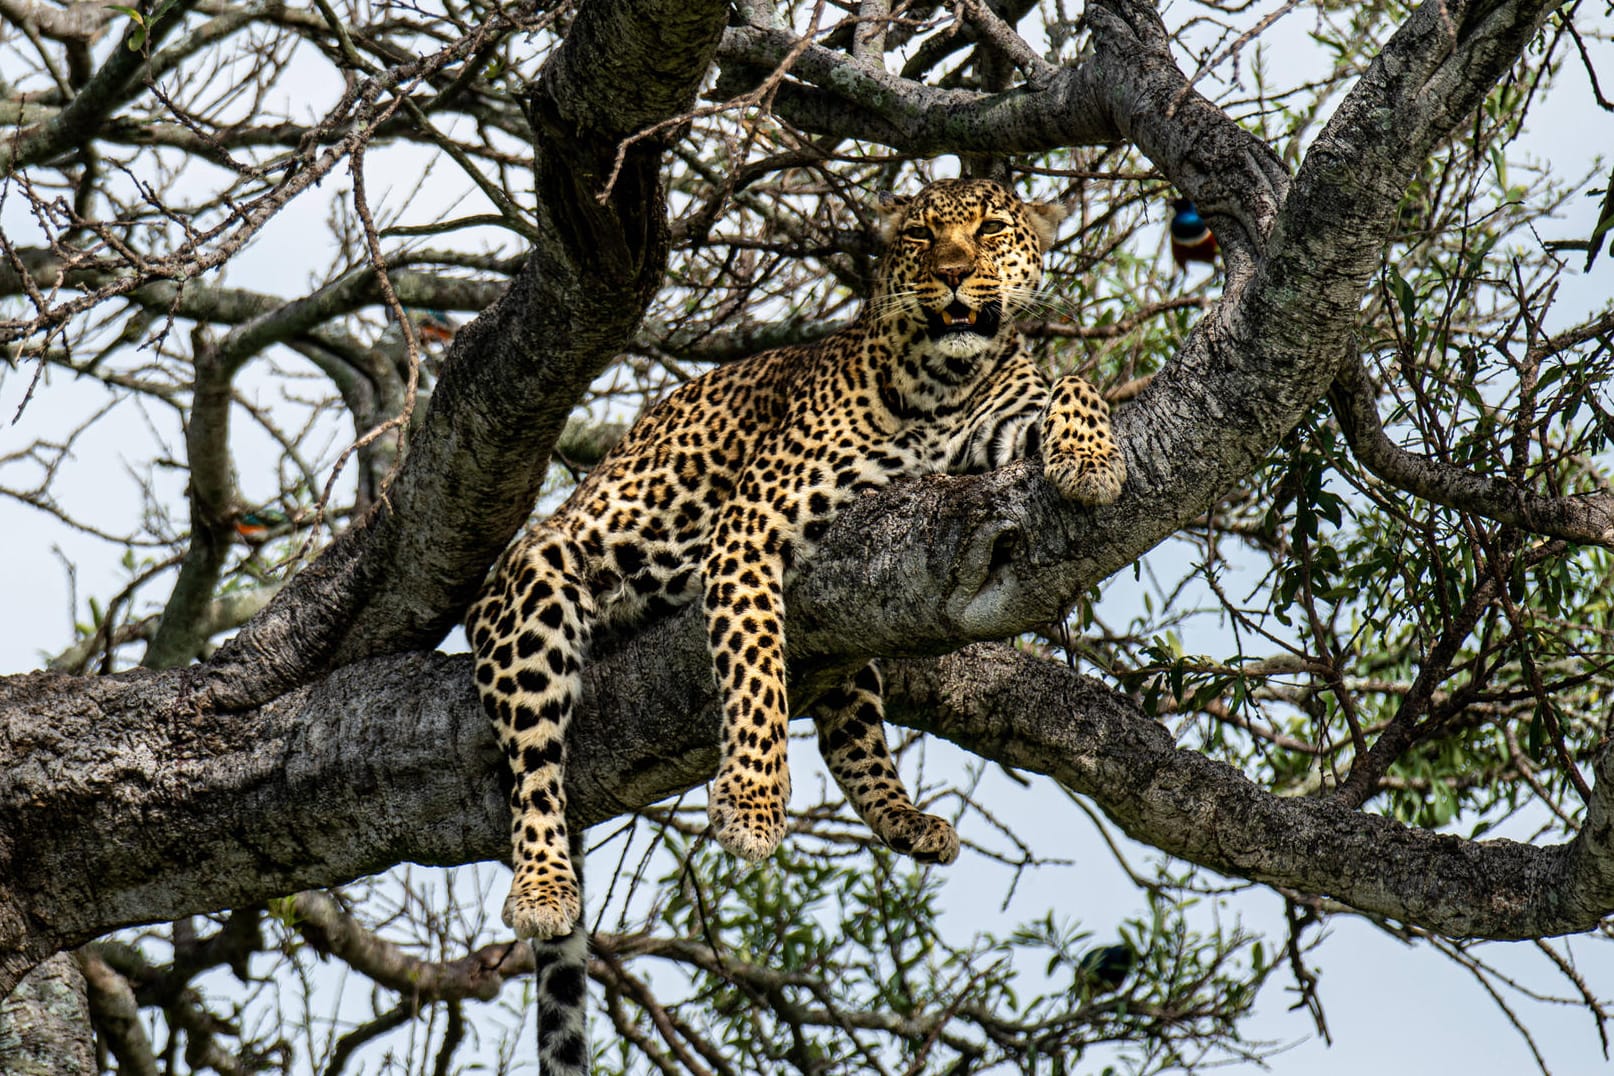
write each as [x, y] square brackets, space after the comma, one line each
[561, 965]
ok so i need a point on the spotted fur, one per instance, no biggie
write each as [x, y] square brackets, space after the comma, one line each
[724, 488]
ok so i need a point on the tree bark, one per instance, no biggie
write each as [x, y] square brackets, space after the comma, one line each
[45, 1023]
[391, 760]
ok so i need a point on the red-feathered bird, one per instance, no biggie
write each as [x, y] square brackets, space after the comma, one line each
[1191, 238]
[256, 526]
[434, 326]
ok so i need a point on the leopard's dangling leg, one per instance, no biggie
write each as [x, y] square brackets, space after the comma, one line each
[529, 633]
[851, 739]
[744, 603]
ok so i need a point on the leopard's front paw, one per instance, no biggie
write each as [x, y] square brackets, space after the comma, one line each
[542, 908]
[1087, 479]
[747, 815]
[925, 837]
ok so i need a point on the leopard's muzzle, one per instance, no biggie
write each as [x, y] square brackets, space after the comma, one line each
[956, 317]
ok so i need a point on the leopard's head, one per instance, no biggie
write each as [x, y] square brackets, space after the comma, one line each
[962, 257]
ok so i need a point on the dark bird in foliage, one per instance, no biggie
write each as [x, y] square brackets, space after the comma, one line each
[1191, 238]
[1605, 223]
[255, 526]
[1107, 968]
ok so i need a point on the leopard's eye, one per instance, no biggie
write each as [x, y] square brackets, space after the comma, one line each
[991, 227]
[918, 233]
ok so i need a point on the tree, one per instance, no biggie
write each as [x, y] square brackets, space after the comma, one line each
[1369, 419]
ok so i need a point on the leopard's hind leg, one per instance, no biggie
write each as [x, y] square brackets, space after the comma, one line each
[529, 633]
[851, 739]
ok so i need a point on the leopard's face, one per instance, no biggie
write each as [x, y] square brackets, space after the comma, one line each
[963, 256]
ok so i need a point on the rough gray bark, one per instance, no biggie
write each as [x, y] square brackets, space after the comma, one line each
[238, 808]
[45, 1023]
[1041, 718]
[383, 761]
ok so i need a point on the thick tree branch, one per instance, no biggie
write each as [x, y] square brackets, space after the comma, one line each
[1329, 236]
[116, 1014]
[171, 809]
[107, 89]
[1128, 89]
[45, 1023]
[400, 576]
[79, 23]
[1038, 716]
[235, 808]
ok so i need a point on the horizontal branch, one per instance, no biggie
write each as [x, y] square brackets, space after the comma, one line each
[216, 304]
[1587, 519]
[173, 811]
[1038, 716]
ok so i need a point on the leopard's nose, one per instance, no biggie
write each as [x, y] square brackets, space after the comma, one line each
[953, 275]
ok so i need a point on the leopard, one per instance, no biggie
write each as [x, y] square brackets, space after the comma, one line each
[721, 492]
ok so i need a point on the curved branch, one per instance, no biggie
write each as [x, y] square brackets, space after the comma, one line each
[399, 578]
[1038, 716]
[321, 920]
[108, 88]
[1587, 519]
[1129, 88]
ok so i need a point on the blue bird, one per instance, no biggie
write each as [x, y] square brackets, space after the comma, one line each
[435, 327]
[1191, 237]
[256, 526]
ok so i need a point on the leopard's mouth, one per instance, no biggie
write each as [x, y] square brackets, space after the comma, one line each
[957, 317]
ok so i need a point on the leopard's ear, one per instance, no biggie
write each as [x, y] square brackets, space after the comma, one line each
[891, 208]
[1045, 218]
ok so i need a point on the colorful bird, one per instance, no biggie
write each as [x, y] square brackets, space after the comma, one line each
[1191, 238]
[434, 326]
[254, 526]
